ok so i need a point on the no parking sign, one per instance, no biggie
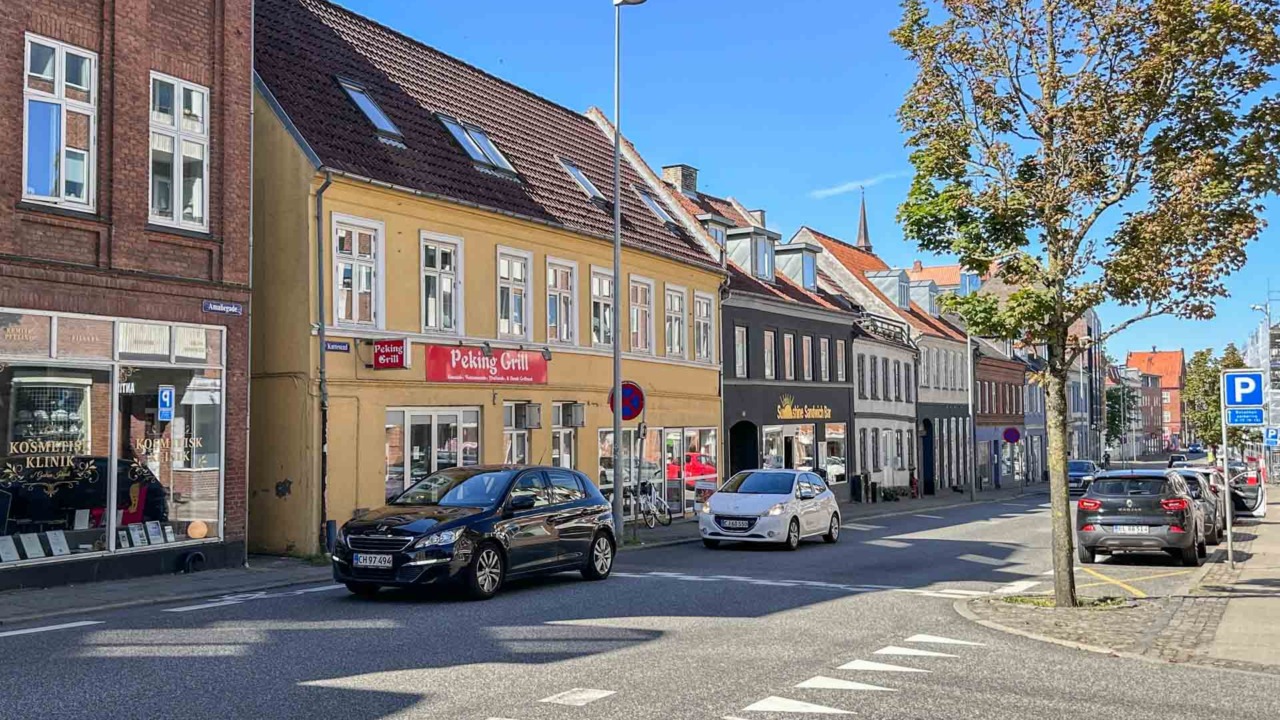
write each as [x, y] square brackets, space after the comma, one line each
[632, 400]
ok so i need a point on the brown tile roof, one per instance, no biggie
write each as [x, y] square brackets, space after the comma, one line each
[943, 275]
[301, 46]
[1168, 364]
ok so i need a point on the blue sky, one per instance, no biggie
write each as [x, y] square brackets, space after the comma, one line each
[787, 106]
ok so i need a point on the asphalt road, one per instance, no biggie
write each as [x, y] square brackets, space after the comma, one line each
[678, 632]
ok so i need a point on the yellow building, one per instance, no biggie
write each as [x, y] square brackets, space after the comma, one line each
[432, 255]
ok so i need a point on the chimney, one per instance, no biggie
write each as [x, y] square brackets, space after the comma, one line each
[758, 216]
[864, 239]
[683, 177]
[917, 266]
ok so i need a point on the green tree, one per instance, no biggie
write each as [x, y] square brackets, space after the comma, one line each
[1088, 151]
[1202, 395]
[1122, 413]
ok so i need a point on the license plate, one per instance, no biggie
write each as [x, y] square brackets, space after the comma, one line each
[736, 524]
[371, 561]
[1132, 530]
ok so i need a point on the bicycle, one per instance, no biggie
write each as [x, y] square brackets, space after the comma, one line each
[653, 509]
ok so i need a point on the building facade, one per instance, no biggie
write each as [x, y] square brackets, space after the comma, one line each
[1170, 366]
[124, 289]
[1000, 424]
[444, 284]
[1035, 438]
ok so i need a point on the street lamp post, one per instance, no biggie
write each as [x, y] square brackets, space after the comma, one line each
[617, 264]
[973, 420]
[1266, 367]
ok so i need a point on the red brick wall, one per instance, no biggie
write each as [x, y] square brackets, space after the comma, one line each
[1010, 380]
[111, 262]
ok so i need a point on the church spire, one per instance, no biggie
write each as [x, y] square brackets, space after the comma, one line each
[864, 239]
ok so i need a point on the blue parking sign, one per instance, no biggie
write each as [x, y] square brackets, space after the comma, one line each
[1242, 388]
[164, 412]
[1271, 437]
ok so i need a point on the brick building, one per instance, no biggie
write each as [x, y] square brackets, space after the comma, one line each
[1171, 367]
[124, 287]
[998, 400]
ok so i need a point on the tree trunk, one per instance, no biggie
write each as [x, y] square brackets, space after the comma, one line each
[1064, 577]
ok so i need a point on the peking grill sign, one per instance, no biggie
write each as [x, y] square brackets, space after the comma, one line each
[391, 354]
[459, 364]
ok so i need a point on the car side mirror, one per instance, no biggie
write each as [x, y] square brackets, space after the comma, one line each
[521, 502]
[807, 495]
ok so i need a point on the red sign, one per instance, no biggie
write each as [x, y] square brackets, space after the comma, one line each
[459, 364]
[1011, 435]
[632, 400]
[391, 354]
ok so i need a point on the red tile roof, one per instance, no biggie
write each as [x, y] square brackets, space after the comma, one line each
[1168, 364]
[943, 275]
[302, 46]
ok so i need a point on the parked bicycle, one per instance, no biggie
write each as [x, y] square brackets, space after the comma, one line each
[652, 508]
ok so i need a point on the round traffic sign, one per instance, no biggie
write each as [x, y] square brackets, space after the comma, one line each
[632, 400]
[1012, 435]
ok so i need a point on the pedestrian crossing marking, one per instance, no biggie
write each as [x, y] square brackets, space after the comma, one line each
[914, 652]
[578, 697]
[869, 666]
[826, 683]
[787, 705]
[938, 640]
[861, 526]
[887, 543]
[931, 517]
[1017, 587]
[980, 559]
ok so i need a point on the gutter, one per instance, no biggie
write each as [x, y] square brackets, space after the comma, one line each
[326, 533]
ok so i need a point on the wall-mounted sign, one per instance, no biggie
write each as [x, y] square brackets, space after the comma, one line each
[455, 363]
[1011, 435]
[221, 307]
[144, 341]
[337, 346]
[789, 410]
[391, 354]
[164, 405]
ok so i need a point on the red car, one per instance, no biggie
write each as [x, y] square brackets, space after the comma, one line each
[697, 466]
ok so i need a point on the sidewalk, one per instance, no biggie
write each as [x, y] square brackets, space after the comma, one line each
[1249, 630]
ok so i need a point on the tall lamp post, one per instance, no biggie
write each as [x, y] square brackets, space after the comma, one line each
[1266, 368]
[617, 264]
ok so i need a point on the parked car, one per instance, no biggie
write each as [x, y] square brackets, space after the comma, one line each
[1212, 504]
[1248, 495]
[1177, 458]
[696, 466]
[1080, 473]
[1140, 511]
[478, 526]
[770, 506]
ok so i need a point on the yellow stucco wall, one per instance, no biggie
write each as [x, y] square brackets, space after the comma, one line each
[680, 393]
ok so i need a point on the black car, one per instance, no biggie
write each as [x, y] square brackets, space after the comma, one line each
[1140, 511]
[478, 526]
[1080, 473]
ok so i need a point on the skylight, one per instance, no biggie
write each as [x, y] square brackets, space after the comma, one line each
[656, 207]
[582, 180]
[476, 143]
[361, 98]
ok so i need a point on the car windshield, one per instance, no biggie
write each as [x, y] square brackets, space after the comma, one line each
[1079, 466]
[458, 487]
[759, 483]
[1128, 486]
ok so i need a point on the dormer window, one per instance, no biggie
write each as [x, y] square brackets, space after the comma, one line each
[656, 207]
[365, 102]
[717, 234]
[583, 181]
[810, 272]
[477, 144]
[763, 258]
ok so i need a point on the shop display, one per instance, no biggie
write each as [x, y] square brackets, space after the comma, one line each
[31, 545]
[82, 520]
[197, 530]
[138, 535]
[122, 539]
[8, 550]
[57, 542]
[169, 535]
[155, 536]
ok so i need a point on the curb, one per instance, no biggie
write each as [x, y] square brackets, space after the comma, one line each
[140, 602]
[962, 609]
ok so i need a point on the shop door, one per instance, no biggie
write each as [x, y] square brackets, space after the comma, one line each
[446, 448]
[421, 457]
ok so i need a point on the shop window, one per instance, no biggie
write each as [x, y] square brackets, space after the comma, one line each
[629, 455]
[862, 376]
[601, 308]
[641, 315]
[739, 351]
[562, 313]
[841, 370]
[60, 96]
[564, 418]
[179, 152]
[394, 455]
[824, 359]
[515, 435]
[441, 296]
[806, 357]
[703, 327]
[774, 454]
[357, 256]
[770, 361]
[834, 453]
[875, 378]
[676, 324]
[788, 356]
[513, 294]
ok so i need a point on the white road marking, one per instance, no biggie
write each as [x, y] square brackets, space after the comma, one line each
[980, 559]
[322, 588]
[914, 652]
[944, 594]
[861, 526]
[938, 640]
[1017, 587]
[867, 665]
[205, 606]
[577, 696]
[787, 705]
[825, 683]
[931, 517]
[49, 628]
[887, 543]
[949, 593]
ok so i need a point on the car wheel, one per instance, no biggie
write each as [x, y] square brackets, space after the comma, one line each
[1215, 537]
[1191, 555]
[712, 544]
[833, 530]
[1201, 551]
[487, 571]
[793, 535]
[1086, 555]
[600, 559]
[361, 589]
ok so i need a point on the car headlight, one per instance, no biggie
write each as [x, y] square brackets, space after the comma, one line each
[1087, 478]
[705, 508]
[776, 509]
[445, 537]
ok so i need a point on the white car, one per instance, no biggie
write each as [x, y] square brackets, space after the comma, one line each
[770, 506]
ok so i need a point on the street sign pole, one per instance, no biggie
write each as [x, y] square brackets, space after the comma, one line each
[1226, 472]
[1242, 401]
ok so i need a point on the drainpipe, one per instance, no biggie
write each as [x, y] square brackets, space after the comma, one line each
[328, 530]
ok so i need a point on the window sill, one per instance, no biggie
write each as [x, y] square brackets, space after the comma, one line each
[60, 210]
[179, 231]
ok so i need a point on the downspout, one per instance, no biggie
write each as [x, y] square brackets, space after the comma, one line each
[248, 370]
[327, 529]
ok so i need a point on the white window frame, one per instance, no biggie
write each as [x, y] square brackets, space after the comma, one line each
[655, 206]
[607, 303]
[710, 322]
[740, 347]
[824, 359]
[58, 97]
[842, 372]
[555, 263]
[770, 354]
[379, 268]
[530, 315]
[788, 356]
[438, 239]
[509, 431]
[806, 357]
[476, 150]
[580, 177]
[631, 307]
[179, 136]
[682, 317]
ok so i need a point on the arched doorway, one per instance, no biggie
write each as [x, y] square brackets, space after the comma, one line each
[927, 456]
[744, 447]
